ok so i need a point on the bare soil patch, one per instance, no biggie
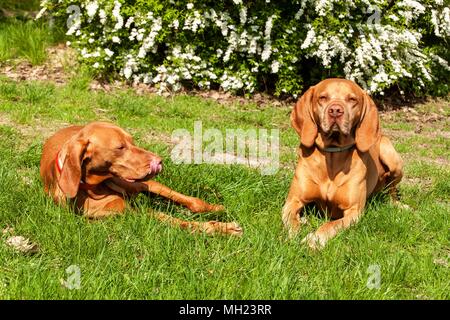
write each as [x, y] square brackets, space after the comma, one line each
[38, 129]
[59, 67]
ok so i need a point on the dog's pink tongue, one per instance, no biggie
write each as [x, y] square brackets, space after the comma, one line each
[155, 167]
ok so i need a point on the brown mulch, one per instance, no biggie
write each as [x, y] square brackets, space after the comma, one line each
[59, 67]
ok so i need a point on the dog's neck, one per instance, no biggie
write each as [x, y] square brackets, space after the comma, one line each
[335, 142]
[337, 151]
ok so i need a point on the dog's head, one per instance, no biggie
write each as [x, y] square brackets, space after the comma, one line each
[336, 107]
[100, 151]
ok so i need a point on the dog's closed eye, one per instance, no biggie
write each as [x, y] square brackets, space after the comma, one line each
[323, 98]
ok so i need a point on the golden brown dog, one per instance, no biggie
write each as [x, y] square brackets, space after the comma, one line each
[343, 158]
[98, 166]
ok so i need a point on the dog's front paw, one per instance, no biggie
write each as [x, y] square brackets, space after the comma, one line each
[216, 208]
[199, 206]
[314, 241]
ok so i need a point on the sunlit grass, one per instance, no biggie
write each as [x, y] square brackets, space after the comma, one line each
[25, 40]
[134, 256]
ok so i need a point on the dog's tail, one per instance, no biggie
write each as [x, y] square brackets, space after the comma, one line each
[209, 227]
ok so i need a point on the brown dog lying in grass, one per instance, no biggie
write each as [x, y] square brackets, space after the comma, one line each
[343, 157]
[98, 166]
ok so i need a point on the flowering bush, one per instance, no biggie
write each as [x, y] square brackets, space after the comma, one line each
[245, 46]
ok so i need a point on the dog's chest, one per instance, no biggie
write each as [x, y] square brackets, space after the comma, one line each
[338, 181]
[334, 193]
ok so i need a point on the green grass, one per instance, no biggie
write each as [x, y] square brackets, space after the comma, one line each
[134, 256]
[20, 4]
[25, 40]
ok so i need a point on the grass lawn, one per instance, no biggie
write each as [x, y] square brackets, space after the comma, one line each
[136, 257]
[133, 256]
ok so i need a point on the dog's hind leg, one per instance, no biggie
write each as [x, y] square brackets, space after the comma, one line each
[209, 227]
[391, 159]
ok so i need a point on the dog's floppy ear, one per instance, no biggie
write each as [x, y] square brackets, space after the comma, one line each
[368, 130]
[70, 157]
[302, 119]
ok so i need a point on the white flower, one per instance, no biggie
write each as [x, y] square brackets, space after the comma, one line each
[310, 37]
[267, 51]
[299, 14]
[275, 66]
[127, 72]
[129, 22]
[190, 5]
[115, 39]
[149, 41]
[102, 15]
[96, 65]
[252, 49]
[117, 16]
[417, 7]
[84, 53]
[193, 22]
[109, 52]
[393, 17]
[269, 25]
[41, 12]
[243, 15]
[91, 8]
